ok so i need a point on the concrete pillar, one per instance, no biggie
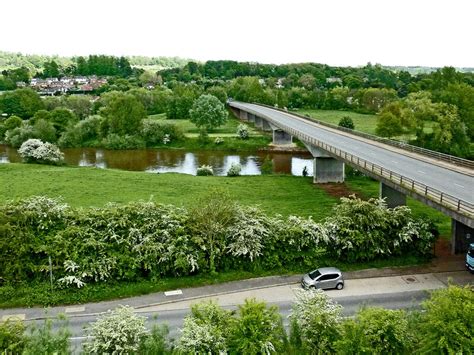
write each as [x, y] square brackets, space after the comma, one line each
[281, 137]
[258, 122]
[243, 115]
[326, 169]
[266, 125]
[393, 198]
[461, 237]
[251, 117]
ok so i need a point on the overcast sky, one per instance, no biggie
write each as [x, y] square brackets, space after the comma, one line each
[335, 32]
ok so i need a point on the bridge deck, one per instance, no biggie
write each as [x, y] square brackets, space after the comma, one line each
[437, 176]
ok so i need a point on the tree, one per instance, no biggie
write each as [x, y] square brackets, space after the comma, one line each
[314, 322]
[81, 105]
[51, 69]
[346, 122]
[44, 340]
[210, 219]
[117, 331]
[445, 326]
[208, 112]
[61, 117]
[388, 125]
[376, 331]
[21, 102]
[257, 330]
[123, 113]
[205, 330]
[218, 92]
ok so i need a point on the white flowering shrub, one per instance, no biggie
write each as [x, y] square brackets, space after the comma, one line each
[205, 330]
[246, 237]
[218, 140]
[205, 170]
[119, 331]
[364, 230]
[243, 131]
[234, 170]
[166, 138]
[36, 151]
[315, 321]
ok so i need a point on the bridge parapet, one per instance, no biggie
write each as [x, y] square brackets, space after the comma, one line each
[405, 146]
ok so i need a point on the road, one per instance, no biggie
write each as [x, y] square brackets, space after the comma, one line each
[448, 181]
[392, 292]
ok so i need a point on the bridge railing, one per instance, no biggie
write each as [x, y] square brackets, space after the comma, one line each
[411, 148]
[437, 196]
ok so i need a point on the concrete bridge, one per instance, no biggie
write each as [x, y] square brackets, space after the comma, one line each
[438, 180]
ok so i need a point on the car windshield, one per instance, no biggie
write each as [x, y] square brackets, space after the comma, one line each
[471, 253]
[314, 274]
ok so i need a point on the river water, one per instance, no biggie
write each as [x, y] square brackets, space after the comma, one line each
[179, 161]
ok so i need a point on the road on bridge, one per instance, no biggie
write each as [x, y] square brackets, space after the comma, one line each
[456, 184]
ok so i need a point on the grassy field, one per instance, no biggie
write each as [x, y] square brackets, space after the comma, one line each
[229, 129]
[95, 187]
[283, 194]
[363, 122]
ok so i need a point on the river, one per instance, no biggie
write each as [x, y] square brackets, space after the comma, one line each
[179, 161]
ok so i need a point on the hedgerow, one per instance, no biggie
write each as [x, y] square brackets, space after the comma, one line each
[148, 240]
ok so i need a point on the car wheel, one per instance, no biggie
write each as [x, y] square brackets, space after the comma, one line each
[340, 286]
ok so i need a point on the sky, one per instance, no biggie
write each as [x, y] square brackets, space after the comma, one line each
[335, 32]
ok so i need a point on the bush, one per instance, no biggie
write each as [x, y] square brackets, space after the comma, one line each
[12, 338]
[205, 170]
[114, 141]
[43, 340]
[156, 133]
[243, 131]
[234, 169]
[117, 332]
[346, 122]
[267, 166]
[13, 122]
[35, 151]
[84, 131]
[17, 136]
[218, 140]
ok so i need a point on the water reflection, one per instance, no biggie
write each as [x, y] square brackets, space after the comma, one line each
[163, 161]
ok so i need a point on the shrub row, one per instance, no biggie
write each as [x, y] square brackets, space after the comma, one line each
[148, 240]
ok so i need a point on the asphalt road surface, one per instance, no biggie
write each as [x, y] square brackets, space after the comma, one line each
[448, 181]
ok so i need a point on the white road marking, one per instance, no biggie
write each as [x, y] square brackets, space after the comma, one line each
[173, 293]
[75, 309]
[421, 172]
[458, 185]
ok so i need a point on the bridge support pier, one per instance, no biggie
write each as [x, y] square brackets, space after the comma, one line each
[266, 125]
[461, 237]
[258, 122]
[251, 117]
[393, 198]
[244, 115]
[327, 169]
[281, 137]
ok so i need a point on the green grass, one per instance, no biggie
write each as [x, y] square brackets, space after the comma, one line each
[190, 129]
[363, 122]
[95, 187]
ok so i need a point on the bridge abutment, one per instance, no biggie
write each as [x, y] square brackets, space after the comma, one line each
[461, 237]
[393, 198]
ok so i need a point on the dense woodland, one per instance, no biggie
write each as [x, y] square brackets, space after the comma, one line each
[434, 110]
